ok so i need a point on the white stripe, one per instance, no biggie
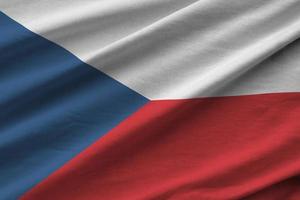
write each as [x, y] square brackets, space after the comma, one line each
[171, 49]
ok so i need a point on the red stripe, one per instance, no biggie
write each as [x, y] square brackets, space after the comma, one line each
[209, 148]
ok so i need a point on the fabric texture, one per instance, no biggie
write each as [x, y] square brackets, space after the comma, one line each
[150, 99]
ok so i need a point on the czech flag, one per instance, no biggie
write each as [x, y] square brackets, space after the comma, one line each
[149, 99]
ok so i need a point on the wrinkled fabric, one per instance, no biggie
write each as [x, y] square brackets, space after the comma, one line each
[150, 99]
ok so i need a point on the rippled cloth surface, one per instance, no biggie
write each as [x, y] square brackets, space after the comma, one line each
[150, 99]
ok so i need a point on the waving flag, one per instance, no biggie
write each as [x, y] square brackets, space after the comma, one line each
[149, 99]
